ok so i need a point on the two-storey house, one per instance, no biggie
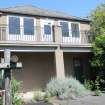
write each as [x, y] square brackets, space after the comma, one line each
[49, 44]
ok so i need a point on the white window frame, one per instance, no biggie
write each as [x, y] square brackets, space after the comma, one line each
[34, 24]
[30, 37]
[21, 36]
[11, 36]
[43, 22]
[76, 39]
[71, 39]
[69, 27]
[78, 26]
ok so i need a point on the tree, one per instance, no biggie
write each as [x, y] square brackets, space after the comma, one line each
[98, 28]
[98, 50]
[97, 18]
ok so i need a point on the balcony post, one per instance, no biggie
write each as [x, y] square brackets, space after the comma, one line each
[7, 79]
[57, 32]
[38, 30]
[59, 62]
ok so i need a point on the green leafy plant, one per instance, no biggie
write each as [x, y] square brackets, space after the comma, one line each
[1, 100]
[41, 96]
[89, 84]
[97, 87]
[16, 86]
[94, 85]
[47, 97]
[98, 92]
[97, 18]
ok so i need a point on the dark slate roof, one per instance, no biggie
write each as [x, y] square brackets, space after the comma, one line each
[35, 11]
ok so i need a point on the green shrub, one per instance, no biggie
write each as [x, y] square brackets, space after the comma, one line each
[89, 84]
[76, 87]
[94, 86]
[98, 92]
[47, 97]
[1, 100]
[97, 86]
[65, 87]
[16, 86]
[41, 96]
[56, 86]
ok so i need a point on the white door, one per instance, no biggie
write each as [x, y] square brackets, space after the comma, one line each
[66, 34]
[46, 30]
[70, 32]
[14, 31]
[29, 29]
[75, 32]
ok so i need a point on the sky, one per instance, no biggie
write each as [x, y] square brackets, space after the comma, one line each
[80, 8]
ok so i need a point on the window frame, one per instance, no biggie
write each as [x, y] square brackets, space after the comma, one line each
[33, 25]
[44, 21]
[21, 24]
[8, 24]
[69, 24]
[47, 30]
[68, 27]
[78, 23]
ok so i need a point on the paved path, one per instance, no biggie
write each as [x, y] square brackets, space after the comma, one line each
[87, 100]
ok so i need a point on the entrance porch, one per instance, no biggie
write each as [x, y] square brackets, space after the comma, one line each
[40, 67]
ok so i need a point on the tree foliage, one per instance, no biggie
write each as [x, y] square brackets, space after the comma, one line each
[99, 52]
[97, 18]
[98, 27]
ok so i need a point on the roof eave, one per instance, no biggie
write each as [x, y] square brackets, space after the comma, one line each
[72, 19]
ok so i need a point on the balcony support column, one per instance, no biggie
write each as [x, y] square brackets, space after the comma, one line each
[59, 62]
[57, 32]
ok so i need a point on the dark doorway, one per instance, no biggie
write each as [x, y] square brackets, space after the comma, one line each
[78, 68]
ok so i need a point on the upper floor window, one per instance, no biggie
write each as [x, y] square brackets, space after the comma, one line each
[47, 29]
[75, 30]
[28, 26]
[21, 25]
[65, 29]
[14, 25]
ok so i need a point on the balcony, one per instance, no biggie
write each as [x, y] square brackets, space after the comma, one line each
[83, 37]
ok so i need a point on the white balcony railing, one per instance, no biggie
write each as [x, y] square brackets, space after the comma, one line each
[84, 37]
[81, 37]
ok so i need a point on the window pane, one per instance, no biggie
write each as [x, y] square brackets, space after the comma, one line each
[75, 30]
[47, 29]
[14, 25]
[65, 29]
[28, 26]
